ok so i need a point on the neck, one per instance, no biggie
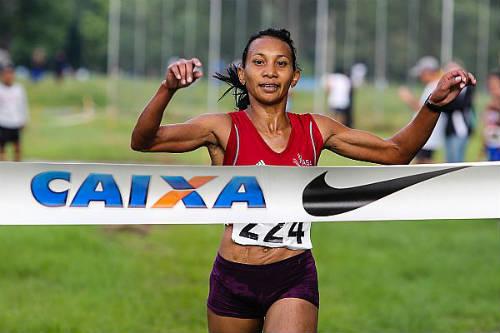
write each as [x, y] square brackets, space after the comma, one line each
[268, 118]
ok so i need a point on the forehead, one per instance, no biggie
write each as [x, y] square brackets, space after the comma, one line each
[269, 46]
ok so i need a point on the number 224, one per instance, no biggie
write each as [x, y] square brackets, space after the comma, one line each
[270, 236]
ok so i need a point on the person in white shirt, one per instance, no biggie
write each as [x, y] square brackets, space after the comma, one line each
[13, 111]
[429, 72]
[339, 90]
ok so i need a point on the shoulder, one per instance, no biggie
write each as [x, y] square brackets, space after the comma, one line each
[17, 88]
[328, 126]
[321, 118]
[213, 122]
[212, 118]
[303, 118]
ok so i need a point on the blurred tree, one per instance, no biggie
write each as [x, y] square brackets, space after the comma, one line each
[25, 25]
[91, 20]
[79, 27]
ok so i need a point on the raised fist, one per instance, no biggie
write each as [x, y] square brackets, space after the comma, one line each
[450, 85]
[182, 73]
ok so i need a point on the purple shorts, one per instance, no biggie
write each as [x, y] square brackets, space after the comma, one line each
[248, 291]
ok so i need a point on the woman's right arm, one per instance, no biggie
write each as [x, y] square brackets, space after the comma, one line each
[150, 136]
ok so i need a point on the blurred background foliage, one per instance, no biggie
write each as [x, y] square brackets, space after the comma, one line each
[180, 28]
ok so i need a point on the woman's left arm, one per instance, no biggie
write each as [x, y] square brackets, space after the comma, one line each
[402, 147]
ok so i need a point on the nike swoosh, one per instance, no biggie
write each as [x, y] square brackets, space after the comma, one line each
[320, 199]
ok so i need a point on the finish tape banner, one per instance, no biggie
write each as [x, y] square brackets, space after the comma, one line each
[78, 193]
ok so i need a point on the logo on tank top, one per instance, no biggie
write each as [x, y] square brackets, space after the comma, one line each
[261, 162]
[299, 161]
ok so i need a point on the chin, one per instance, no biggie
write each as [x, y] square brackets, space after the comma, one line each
[270, 100]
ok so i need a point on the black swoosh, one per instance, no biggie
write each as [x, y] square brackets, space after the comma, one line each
[320, 199]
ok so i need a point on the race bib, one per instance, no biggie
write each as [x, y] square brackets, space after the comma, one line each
[293, 235]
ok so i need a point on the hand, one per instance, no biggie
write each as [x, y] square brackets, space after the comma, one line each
[182, 73]
[450, 85]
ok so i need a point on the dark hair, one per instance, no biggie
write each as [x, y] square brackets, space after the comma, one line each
[239, 91]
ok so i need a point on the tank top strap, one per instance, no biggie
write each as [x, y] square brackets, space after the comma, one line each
[311, 131]
[233, 143]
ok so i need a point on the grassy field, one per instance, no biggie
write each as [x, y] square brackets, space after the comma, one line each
[374, 277]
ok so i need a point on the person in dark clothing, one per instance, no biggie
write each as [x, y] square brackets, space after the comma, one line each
[460, 120]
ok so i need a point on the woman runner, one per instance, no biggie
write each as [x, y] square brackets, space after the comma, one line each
[264, 276]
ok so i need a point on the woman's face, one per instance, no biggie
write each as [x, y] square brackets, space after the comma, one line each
[268, 71]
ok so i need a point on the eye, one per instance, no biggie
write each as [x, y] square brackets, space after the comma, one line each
[258, 62]
[282, 63]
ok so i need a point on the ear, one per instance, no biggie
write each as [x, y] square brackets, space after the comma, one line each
[241, 74]
[295, 78]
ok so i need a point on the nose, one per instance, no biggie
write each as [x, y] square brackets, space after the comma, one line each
[270, 71]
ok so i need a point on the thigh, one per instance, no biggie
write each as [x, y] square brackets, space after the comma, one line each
[17, 145]
[290, 315]
[222, 324]
[3, 138]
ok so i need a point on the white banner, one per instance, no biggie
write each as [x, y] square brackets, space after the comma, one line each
[77, 193]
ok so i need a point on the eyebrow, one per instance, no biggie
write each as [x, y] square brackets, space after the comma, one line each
[279, 55]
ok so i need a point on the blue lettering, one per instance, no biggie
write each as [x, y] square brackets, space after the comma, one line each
[110, 193]
[194, 200]
[40, 188]
[251, 194]
[177, 182]
[139, 191]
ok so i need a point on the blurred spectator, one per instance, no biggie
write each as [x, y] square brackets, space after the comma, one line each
[459, 121]
[4, 57]
[13, 111]
[358, 74]
[491, 118]
[339, 90]
[82, 74]
[38, 63]
[428, 71]
[60, 65]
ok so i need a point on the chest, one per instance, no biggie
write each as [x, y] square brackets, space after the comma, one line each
[9, 96]
[292, 150]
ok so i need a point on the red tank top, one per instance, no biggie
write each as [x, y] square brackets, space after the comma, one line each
[246, 147]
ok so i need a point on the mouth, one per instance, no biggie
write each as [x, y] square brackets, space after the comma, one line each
[269, 87]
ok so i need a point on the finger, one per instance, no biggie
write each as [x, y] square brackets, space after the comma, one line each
[465, 78]
[182, 70]
[197, 62]
[462, 81]
[472, 78]
[197, 75]
[174, 68]
[189, 71]
[457, 77]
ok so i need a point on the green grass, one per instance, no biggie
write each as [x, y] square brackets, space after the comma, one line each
[374, 277]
